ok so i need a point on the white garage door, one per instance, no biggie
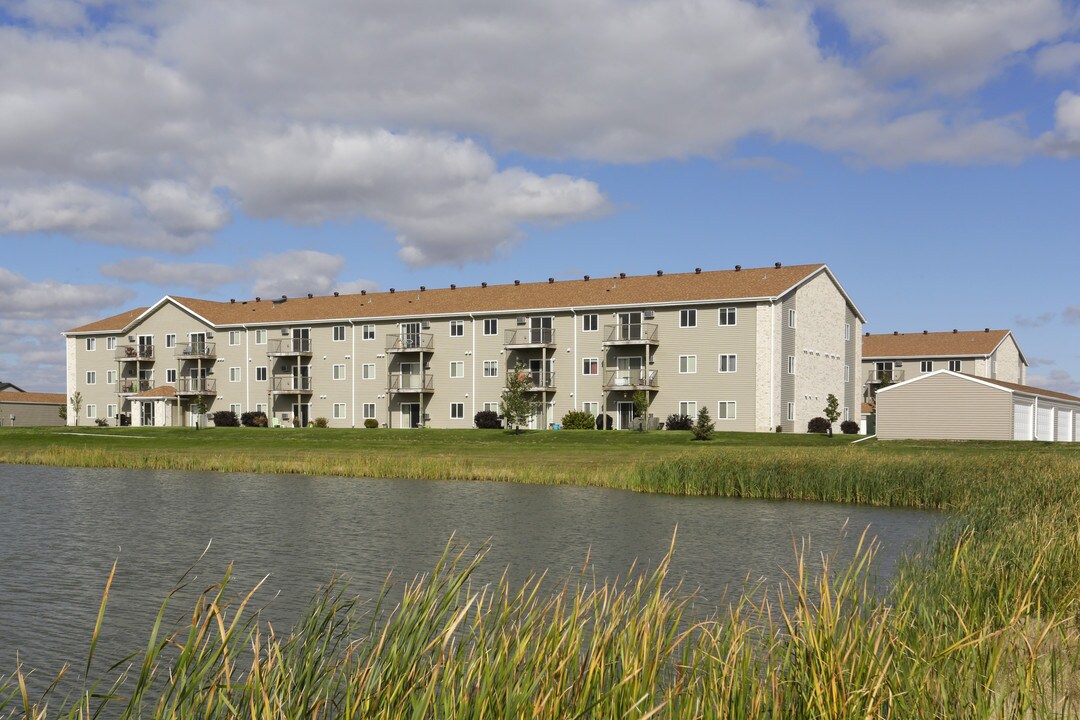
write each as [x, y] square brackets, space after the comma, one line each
[1044, 429]
[1064, 426]
[1021, 422]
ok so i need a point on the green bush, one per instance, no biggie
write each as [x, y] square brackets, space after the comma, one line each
[487, 420]
[675, 421]
[704, 427]
[849, 427]
[254, 419]
[371, 423]
[578, 420]
[225, 418]
[321, 422]
[818, 425]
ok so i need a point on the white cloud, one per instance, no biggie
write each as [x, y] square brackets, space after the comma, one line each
[1062, 58]
[180, 209]
[1059, 380]
[204, 277]
[25, 299]
[296, 273]
[358, 285]
[1064, 141]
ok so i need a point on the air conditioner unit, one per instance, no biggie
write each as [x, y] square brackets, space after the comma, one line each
[424, 324]
[521, 320]
[131, 338]
[898, 364]
[209, 336]
[284, 331]
[648, 314]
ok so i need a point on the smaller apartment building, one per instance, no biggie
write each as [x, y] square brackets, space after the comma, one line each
[758, 347]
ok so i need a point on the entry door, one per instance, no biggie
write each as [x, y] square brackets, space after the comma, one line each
[198, 378]
[410, 376]
[884, 371]
[301, 338]
[630, 326]
[626, 415]
[146, 418]
[540, 329]
[146, 347]
[537, 370]
[301, 375]
[302, 411]
[410, 335]
[197, 343]
[410, 415]
[629, 370]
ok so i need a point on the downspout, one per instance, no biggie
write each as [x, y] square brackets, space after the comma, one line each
[574, 366]
[352, 372]
[1035, 420]
[773, 360]
[247, 369]
[472, 368]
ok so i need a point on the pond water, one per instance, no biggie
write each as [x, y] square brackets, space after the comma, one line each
[62, 528]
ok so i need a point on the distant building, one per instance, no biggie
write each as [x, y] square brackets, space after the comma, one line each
[9, 387]
[26, 409]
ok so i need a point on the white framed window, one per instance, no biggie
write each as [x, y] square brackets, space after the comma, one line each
[688, 407]
[927, 366]
[847, 331]
[339, 411]
[91, 411]
[91, 377]
[791, 318]
[491, 368]
[687, 364]
[110, 377]
[491, 326]
[234, 374]
[457, 328]
[261, 407]
[846, 415]
[367, 371]
[726, 316]
[791, 411]
[170, 340]
[368, 410]
[457, 411]
[91, 344]
[590, 322]
[725, 410]
[110, 411]
[235, 407]
[847, 373]
[955, 365]
[727, 363]
[339, 372]
[491, 407]
[590, 366]
[790, 364]
[457, 368]
[591, 407]
[339, 333]
[260, 373]
[170, 375]
[260, 336]
[234, 337]
[688, 318]
[367, 332]
[110, 343]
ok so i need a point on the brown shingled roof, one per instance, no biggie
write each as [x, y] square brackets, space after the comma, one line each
[934, 344]
[1026, 388]
[597, 292]
[33, 398]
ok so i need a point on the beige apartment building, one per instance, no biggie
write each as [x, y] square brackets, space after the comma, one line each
[760, 348]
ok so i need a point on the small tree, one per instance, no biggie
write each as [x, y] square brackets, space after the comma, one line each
[641, 407]
[76, 405]
[516, 405]
[832, 411]
[63, 412]
[200, 409]
[703, 428]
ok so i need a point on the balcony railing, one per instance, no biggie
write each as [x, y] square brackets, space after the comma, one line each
[290, 384]
[130, 386]
[541, 380]
[631, 380]
[530, 337]
[196, 350]
[884, 377]
[288, 346]
[134, 352]
[411, 382]
[631, 334]
[410, 342]
[196, 386]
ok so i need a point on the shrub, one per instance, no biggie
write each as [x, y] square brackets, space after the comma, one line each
[603, 422]
[578, 420]
[703, 428]
[254, 419]
[321, 422]
[779, 428]
[102, 422]
[225, 418]
[675, 421]
[849, 427]
[487, 420]
[818, 425]
[371, 423]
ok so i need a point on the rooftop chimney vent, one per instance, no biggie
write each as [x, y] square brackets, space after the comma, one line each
[391, 291]
[986, 329]
[954, 331]
[659, 273]
[258, 299]
[924, 332]
[453, 286]
[776, 265]
[363, 292]
[423, 288]
[309, 296]
[895, 333]
[483, 284]
[551, 281]
[517, 282]
[697, 271]
[232, 301]
[622, 276]
[738, 268]
[337, 294]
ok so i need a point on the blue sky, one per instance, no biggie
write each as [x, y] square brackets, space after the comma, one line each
[929, 152]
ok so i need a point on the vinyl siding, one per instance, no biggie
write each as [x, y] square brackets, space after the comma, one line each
[944, 407]
[787, 349]
[30, 414]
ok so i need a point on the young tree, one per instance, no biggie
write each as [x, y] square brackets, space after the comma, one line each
[200, 408]
[832, 411]
[641, 407]
[703, 428]
[76, 405]
[516, 406]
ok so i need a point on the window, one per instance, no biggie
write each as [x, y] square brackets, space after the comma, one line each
[91, 344]
[170, 375]
[367, 371]
[234, 374]
[847, 331]
[791, 411]
[591, 407]
[170, 340]
[590, 366]
[367, 332]
[728, 364]
[457, 328]
[369, 411]
[110, 377]
[491, 368]
[110, 411]
[688, 407]
[491, 407]
[339, 333]
[790, 364]
[927, 366]
[491, 326]
[955, 365]
[261, 407]
[260, 374]
[726, 316]
[235, 407]
[688, 318]
[457, 411]
[339, 372]
[110, 343]
[590, 322]
[846, 417]
[687, 364]
[260, 337]
[725, 410]
[91, 377]
[339, 411]
[234, 337]
[457, 369]
[91, 411]
[847, 373]
[791, 318]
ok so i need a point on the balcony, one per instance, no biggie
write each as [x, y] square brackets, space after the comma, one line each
[541, 381]
[884, 377]
[410, 342]
[631, 334]
[631, 380]
[290, 385]
[126, 353]
[289, 347]
[411, 383]
[530, 338]
[196, 351]
[131, 386]
[196, 386]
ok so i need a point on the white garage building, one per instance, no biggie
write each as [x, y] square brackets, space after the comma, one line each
[946, 405]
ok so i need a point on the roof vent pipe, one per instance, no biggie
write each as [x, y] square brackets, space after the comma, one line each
[423, 288]
[924, 332]
[391, 291]
[517, 282]
[483, 284]
[453, 286]
[551, 281]
[697, 271]
[738, 268]
[232, 301]
[337, 294]
[309, 296]
[776, 265]
[622, 276]
[659, 273]
[986, 329]
[895, 333]
[258, 299]
[954, 331]
[363, 292]
[586, 278]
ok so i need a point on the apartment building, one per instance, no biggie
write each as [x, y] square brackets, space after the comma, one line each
[897, 357]
[760, 348]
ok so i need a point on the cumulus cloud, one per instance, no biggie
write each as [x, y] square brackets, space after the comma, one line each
[25, 299]
[204, 277]
[1040, 362]
[1060, 380]
[1064, 140]
[1061, 58]
[297, 272]
[1036, 321]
